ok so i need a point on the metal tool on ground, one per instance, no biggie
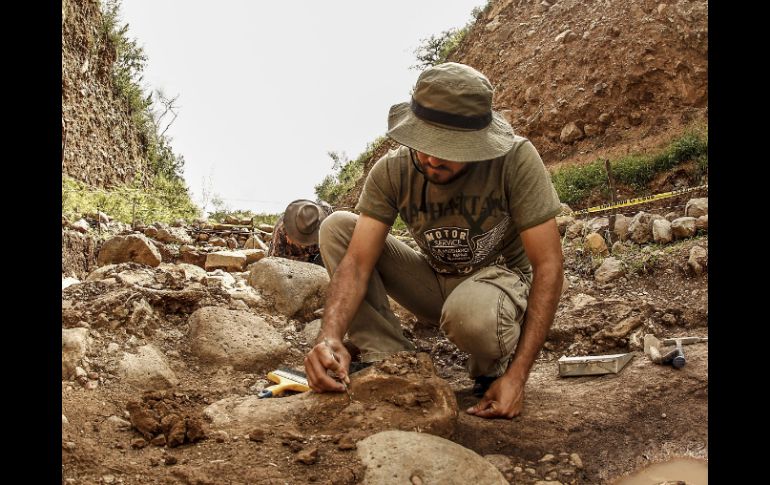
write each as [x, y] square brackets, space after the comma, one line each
[286, 380]
[674, 356]
[345, 384]
[593, 364]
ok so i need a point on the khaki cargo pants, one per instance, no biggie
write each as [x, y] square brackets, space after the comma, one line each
[481, 313]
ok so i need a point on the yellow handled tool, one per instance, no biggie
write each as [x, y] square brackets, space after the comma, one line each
[286, 380]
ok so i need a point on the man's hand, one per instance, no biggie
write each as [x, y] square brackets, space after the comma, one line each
[503, 399]
[327, 354]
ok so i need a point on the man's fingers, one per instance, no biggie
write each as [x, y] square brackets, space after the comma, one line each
[318, 379]
[481, 405]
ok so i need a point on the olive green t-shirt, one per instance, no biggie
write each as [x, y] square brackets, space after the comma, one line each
[470, 222]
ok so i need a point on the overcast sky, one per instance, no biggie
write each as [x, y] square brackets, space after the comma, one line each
[266, 89]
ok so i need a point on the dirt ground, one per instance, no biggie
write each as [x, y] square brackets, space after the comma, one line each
[616, 423]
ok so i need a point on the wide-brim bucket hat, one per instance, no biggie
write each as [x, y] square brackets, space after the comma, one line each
[450, 116]
[301, 221]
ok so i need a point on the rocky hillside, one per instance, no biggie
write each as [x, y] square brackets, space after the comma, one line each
[587, 79]
[102, 146]
[590, 79]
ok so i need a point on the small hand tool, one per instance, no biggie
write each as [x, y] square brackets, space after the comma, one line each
[331, 352]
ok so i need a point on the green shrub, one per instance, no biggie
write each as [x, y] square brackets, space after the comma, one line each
[575, 183]
[437, 48]
[347, 172]
[164, 201]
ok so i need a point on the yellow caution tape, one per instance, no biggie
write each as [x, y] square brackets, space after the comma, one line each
[638, 200]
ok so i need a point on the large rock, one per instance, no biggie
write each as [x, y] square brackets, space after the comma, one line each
[683, 227]
[296, 288]
[401, 392]
[597, 224]
[575, 229]
[621, 227]
[253, 255]
[132, 248]
[310, 332]
[190, 255]
[232, 337]
[702, 223]
[640, 228]
[563, 222]
[173, 235]
[698, 261]
[697, 207]
[253, 242]
[74, 345]
[571, 133]
[610, 269]
[147, 369]
[227, 260]
[400, 456]
[661, 231]
[596, 244]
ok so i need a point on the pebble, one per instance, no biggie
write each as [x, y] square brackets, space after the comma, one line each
[530, 471]
[80, 372]
[93, 375]
[113, 347]
[416, 480]
[170, 460]
[220, 436]
[68, 445]
[64, 420]
[308, 456]
[517, 469]
[108, 479]
[547, 458]
[574, 458]
[663, 416]
[91, 385]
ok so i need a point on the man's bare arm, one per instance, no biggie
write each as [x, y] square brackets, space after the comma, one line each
[346, 291]
[542, 244]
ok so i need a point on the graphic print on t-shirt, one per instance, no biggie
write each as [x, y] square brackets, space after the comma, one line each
[452, 245]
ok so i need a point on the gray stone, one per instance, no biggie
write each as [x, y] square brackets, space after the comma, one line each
[621, 227]
[575, 229]
[702, 223]
[219, 278]
[571, 133]
[173, 235]
[296, 288]
[226, 260]
[147, 369]
[396, 456]
[640, 228]
[683, 227]
[253, 255]
[670, 216]
[661, 231]
[697, 207]
[241, 339]
[247, 295]
[698, 260]
[217, 241]
[68, 281]
[563, 222]
[74, 345]
[610, 269]
[253, 242]
[566, 36]
[116, 423]
[132, 248]
[592, 130]
[574, 458]
[501, 462]
[81, 225]
[597, 224]
[310, 332]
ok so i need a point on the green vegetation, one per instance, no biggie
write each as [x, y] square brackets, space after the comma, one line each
[437, 48]
[161, 194]
[346, 173]
[576, 183]
[256, 219]
[164, 201]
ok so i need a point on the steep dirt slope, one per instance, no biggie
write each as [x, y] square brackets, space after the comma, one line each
[101, 145]
[628, 73]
